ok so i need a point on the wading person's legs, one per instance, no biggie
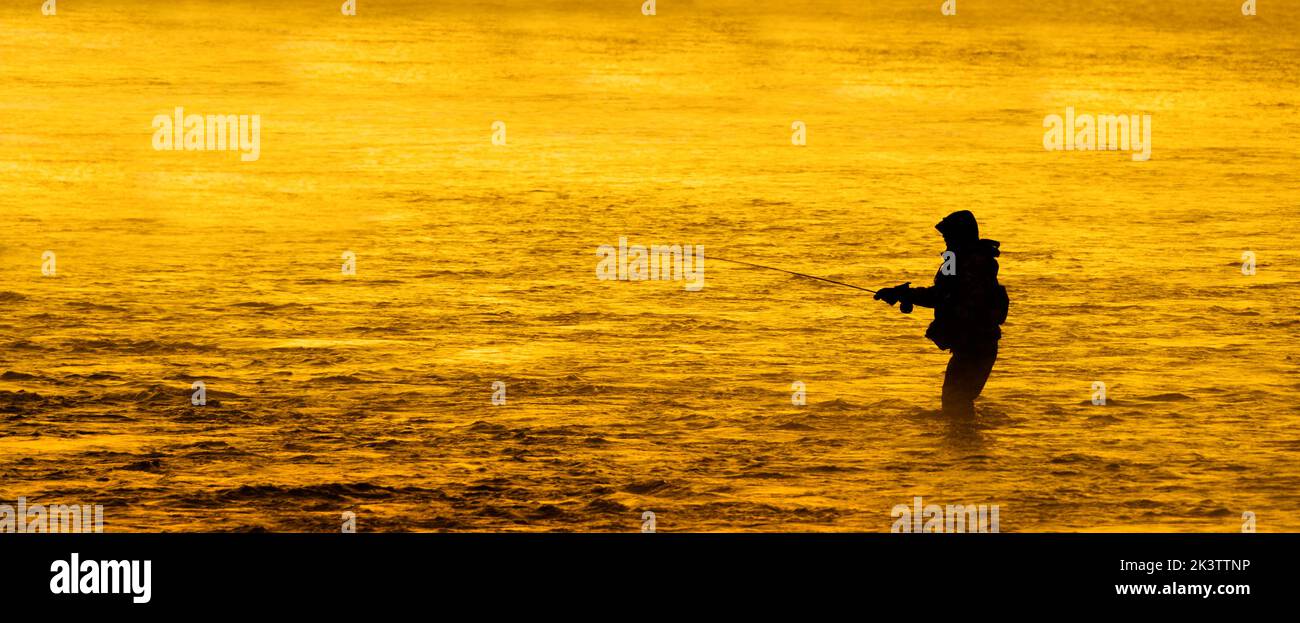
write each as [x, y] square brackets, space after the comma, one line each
[968, 370]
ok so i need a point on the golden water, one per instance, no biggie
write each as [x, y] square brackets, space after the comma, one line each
[475, 264]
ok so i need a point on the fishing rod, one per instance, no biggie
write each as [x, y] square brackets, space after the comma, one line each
[838, 283]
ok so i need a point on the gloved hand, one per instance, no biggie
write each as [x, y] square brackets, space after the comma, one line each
[896, 294]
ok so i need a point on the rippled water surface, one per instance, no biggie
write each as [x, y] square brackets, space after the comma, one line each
[475, 264]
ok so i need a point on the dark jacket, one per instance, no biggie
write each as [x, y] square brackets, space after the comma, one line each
[968, 304]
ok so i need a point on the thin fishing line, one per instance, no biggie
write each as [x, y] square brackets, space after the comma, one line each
[838, 283]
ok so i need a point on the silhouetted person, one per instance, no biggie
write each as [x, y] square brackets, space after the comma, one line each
[968, 303]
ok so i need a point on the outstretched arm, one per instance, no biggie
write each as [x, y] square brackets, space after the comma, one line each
[933, 296]
[926, 297]
[909, 296]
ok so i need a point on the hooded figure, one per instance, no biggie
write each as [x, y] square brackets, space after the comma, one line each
[968, 303]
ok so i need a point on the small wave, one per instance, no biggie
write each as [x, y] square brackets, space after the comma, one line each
[1170, 397]
[340, 378]
[95, 376]
[147, 465]
[486, 427]
[380, 330]
[646, 487]
[1210, 508]
[574, 385]
[20, 396]
[571, 317]
[89, 306]
[208, 445]
[1290, 445]
[272, 307]
[23, 345]
[603, 505]
[1074, 457]
[793, 426]
[452, 273]
[330, 491]
[152, 394]
[143, 347]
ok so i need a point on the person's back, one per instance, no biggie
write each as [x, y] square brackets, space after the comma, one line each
[968, 303]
